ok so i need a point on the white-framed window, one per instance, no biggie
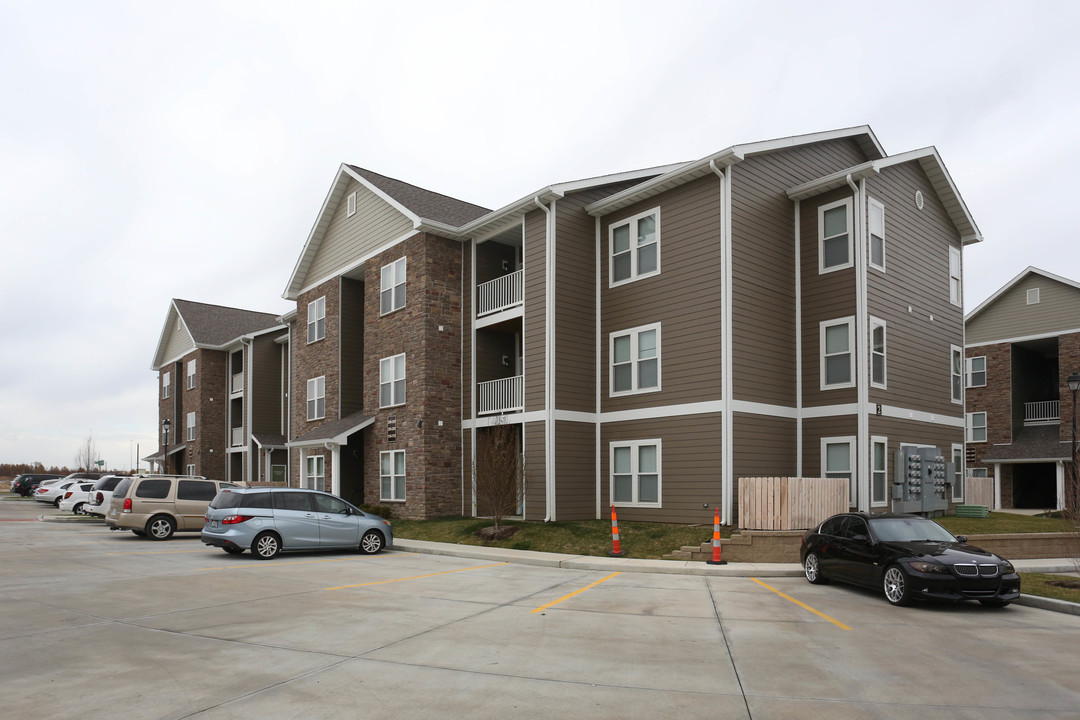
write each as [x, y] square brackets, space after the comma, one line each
[976, 371]
[636, 478]
[958, 472]
[634, 248]
[879, 471]
[392, 475]
[392, 381]
[956, 288]
[837, 359]
[977, 472]
[316, 398]
[316, 319]
[350, 206]
[956, 374]
[1033, 296]
[392, 287]
[315, 472]
[190, 470]
[191, 374]
[877, 235]
[877, 354]
[635, 360]
[166, 385]
[834, 236]
[190, 426]
[838, 461]
[976, 427]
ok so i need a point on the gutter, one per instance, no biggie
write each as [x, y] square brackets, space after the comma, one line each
[549, 360]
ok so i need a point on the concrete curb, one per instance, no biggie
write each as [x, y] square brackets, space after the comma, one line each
[1045, 603]
[69, 519]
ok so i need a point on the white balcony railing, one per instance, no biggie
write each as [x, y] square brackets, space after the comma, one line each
[237, 438]
[500, 294]
[1044, 411]
[237, 383]
[505, 395]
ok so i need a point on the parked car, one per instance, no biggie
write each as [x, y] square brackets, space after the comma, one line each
[907, 557]
[269, 521]
[102, 492]
[53, 493]
[67, 479]
[26, 483]
[157, 506]
[75, 497]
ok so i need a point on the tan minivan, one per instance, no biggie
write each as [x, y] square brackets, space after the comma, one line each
[156, 506]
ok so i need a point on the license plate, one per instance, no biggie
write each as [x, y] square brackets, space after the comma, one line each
[213, 523]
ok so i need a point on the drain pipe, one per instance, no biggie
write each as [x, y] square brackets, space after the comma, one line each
[727, 436]
[862, 469]
[549, 362]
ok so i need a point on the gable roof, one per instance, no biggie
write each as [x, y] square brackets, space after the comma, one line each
[210, 326]
[1030, 270]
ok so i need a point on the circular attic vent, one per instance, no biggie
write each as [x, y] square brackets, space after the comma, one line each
[919, 199]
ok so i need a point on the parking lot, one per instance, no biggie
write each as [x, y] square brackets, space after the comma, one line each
[100, 624]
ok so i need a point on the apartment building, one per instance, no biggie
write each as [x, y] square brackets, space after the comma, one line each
[222, 374]
[1022, 344]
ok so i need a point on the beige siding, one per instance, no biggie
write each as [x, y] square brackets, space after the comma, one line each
[178, 344]
[575, 471]
[535, 252]
[1009, 316]
[347, 239]
[535, 488]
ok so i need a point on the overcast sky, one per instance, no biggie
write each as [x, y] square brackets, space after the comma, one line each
[160, 150]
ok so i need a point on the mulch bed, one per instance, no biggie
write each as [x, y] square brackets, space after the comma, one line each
[496, 533]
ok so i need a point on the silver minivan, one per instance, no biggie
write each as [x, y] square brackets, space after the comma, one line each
[272, 520]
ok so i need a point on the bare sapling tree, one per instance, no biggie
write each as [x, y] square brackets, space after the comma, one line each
[499, 472]
[86, 457]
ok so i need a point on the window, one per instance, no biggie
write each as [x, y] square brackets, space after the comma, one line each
[635, 360]
[392, 381]
[392, 294]
[331, 505]
[976, 371]
[195, 489]
[1033, 296]
[634, 248]
[191, 374]
[316, 398]
[837, 360]
[154, 488]
[976, 427]
[166, 381]
[635, 473]
[296, 501]
[838, 461]
[879, 485]
[315, 475]
[392, 475]
[877, 235]
[877, 353]
[955, 288]
[977, 472]
[351, 205]
[956, 372]
[191, 426]
[191, 471]
[958, 473]
[834, 236]
[316, 319]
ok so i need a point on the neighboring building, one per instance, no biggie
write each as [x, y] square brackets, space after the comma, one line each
[221, 376]
[1022, 343]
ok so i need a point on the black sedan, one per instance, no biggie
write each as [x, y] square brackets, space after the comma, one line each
[907, 556]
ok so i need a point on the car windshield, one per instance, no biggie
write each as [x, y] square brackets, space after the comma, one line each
[909, 529]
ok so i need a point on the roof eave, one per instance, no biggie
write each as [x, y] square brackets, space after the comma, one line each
[661, 183]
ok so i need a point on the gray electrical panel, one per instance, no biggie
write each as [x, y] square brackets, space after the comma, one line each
[920, 481]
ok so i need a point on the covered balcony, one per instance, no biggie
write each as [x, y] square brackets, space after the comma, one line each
[501, 396]
[500, 294]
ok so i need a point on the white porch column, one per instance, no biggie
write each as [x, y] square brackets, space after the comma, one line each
[335, 468]
[303, 468]
[997, 486]
[1060, 485]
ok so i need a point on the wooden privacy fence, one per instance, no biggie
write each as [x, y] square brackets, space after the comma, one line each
[785, 503]
[979, 491]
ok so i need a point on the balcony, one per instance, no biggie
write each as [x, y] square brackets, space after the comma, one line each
[237, 383]
[1044, 412]
[500, 294]
[236, 437]
[500, 396]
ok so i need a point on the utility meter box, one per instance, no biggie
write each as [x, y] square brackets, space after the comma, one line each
[920, 480]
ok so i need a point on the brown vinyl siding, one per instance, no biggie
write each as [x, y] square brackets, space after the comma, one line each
[575, 471]
[535, 488]
[535, 253]
[467, 301]
[352, 347]
[491, 345]
[899, 430]
[575, 304]
[266, 385]
[1058, 310]
[348, 239]
[816, 428]
[762, 446]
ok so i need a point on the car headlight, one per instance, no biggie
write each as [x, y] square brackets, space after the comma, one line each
[929, 567]
[1007, 568]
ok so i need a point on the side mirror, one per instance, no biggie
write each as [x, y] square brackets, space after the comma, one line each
[961, 538]
[860, 538]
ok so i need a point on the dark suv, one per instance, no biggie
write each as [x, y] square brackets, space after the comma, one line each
[26, 483]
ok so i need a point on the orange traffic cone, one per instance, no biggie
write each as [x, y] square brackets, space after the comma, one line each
[616, 548]
[716, 541]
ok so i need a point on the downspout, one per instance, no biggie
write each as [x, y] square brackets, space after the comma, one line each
[599, 350]
[862, 371]
[798, 343]
[249, 364]
[727, 434]
[549, 345]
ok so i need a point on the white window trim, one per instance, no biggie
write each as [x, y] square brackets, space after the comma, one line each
[874, 324]
[634, 445]
[959, 472]
[384, 381]
[398, 274]
[968, 371]
[191, 374]
[822, 326]
[979, 472]
[853, 490]
[956, 272]
[350, 205]
[969, 426]
[870, 236]
[821, 237]
[191, 469]
[166, 385]
[955, 350]
[314, 385]
[392, 476]
[315, 472]
[884, 502]
[316, 311]
[190, 435]
[632, 221]
[633, 333]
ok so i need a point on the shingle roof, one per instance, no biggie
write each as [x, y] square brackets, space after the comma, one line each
[216, 325]
[425, 203]
[1031, 443]
[335, 429]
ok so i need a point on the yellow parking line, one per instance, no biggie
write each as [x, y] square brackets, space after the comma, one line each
[158, 552]
[576, 592]
[247, 566]
[415, 577]
[804, 606]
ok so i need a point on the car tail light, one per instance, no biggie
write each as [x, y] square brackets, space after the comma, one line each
[235, 519]
[41, 490]
[67, 494]
[99, 498]
[127, 505]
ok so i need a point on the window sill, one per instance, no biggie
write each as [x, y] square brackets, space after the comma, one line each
[629, 393]
[656, 506]
[628, 281]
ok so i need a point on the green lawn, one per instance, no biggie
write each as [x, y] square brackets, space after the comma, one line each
[1039, 584]
[999, 522]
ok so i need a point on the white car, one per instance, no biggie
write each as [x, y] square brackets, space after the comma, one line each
[75, 498]
[53, 494]
[101, 494]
